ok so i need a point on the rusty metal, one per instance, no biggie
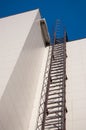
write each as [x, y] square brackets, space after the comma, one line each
[52, 110]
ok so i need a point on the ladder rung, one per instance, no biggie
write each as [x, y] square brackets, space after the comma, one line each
[56, 66]
[48, 123]
[58, 59]
[57, 62]
[52, 128]
[57, 74]
[56, 82]
[57, 85]
[56, 112]
[55, 98]
[49, 103]
[57, 71]
[55, 106]
[53, 121]
[60, 77]
[56, 89]
[53, 117]
[58, 51]
[55, 93]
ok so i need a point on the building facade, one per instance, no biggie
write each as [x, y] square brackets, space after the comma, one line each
[29, 66]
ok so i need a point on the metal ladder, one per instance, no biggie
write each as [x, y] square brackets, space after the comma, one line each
[52, 111]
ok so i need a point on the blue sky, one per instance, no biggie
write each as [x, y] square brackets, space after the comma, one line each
[72, 13]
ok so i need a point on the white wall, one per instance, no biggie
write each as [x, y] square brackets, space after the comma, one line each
[76, 85]
[19, 99]
[13, 33]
